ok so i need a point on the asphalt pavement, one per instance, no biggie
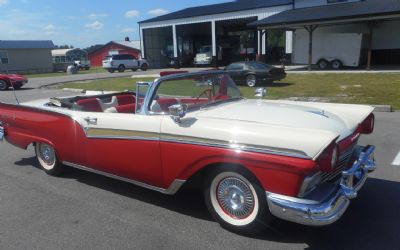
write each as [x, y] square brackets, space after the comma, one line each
[86, 211]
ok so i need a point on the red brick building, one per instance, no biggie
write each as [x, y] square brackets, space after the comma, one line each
[114, 47]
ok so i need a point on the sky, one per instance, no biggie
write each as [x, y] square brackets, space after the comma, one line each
[82, 23]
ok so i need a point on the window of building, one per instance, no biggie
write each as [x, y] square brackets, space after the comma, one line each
[3, 57]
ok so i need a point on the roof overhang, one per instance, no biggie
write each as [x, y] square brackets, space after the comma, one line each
[325, 22]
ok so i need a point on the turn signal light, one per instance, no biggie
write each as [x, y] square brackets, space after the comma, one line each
[367, 126]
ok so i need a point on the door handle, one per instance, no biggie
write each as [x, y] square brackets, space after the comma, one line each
[91, 120]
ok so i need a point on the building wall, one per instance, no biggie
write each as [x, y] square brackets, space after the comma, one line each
[97, 56]
[28, 61]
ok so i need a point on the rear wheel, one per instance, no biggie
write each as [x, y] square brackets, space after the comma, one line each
[121, 68]
[251, 80]
[3, 85]
[323, 64]
[236, 200]
[336, 64]
[144, 67]
[47, 158]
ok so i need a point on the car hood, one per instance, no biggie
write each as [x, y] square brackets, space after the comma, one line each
[282, 114]
[294, 128]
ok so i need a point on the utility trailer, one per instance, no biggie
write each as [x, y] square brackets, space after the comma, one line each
[330, 50]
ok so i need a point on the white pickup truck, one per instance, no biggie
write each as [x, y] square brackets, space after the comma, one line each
[124, 61]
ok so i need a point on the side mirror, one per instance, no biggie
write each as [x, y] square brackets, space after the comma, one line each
[260, 93]
[177, 112]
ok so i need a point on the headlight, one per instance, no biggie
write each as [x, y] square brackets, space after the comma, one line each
[309, 183]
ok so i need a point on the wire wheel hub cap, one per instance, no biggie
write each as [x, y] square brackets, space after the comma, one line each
[235, 198]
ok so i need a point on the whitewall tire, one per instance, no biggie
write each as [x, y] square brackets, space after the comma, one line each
[236, 200]
[47, 158]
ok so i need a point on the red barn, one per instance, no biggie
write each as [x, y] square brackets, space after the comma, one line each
[114, 47]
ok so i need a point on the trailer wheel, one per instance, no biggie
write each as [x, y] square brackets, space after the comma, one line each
[323, 64]
[336, 64]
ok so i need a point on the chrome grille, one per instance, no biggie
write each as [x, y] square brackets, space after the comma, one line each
[343, 163]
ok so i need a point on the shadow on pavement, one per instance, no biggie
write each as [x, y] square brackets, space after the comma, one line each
[371, 222]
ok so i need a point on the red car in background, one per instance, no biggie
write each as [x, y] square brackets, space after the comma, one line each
[16, 81]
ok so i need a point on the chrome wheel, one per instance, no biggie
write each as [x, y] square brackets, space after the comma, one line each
[336, 64]
[234, 199]
[46, 156]
[251, 80]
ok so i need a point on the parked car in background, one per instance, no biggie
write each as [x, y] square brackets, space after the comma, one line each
[124, 61]
[254, 159]
[252, 73]
[13, 80]
[204, 56]
[82, 64]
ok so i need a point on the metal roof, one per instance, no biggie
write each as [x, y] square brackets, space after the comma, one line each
[238, 5]
[26, 44]
[130, 44]
[63, 52]
[324, 13]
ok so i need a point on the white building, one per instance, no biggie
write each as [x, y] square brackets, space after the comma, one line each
[233, 25]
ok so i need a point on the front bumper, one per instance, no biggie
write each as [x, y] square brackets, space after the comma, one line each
[324, 212]
[1, 132]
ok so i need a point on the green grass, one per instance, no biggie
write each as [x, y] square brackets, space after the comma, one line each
[90, 71]
[343, 88]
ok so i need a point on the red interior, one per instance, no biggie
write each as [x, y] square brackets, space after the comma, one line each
[90, 104]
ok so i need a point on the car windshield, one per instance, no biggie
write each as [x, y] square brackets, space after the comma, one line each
[199, 91]
[259, 66]
[206, 49]
[107, 58]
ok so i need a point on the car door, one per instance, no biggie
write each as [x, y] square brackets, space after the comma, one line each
[125, 145]
[236, 71]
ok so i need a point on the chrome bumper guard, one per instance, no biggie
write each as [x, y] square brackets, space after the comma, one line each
[1, 132]
[320, 213]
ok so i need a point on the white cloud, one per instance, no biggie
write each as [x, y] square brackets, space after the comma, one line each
[127, 30]
[96, 25]
[3, 2]
[132, 13]
[158, 12]
[95, 16]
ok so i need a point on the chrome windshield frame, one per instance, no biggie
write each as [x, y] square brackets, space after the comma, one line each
[154, 86]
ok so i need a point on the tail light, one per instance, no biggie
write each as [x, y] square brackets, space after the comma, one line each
[367, 126]
[329, 158]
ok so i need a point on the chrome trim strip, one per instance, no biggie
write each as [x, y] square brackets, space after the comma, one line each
[171, 190]
[99, 133]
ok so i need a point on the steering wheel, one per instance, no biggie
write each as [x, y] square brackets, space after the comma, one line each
[208, 93]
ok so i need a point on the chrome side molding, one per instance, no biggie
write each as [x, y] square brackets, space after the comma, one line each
[171, 190]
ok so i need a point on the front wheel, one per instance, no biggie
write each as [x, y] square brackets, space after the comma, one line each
[121, 68]
[251, 81]
[144, 67]
[47, 158]
[3, 85]
[237, 201]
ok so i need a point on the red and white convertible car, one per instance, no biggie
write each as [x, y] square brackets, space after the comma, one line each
[255, 159]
